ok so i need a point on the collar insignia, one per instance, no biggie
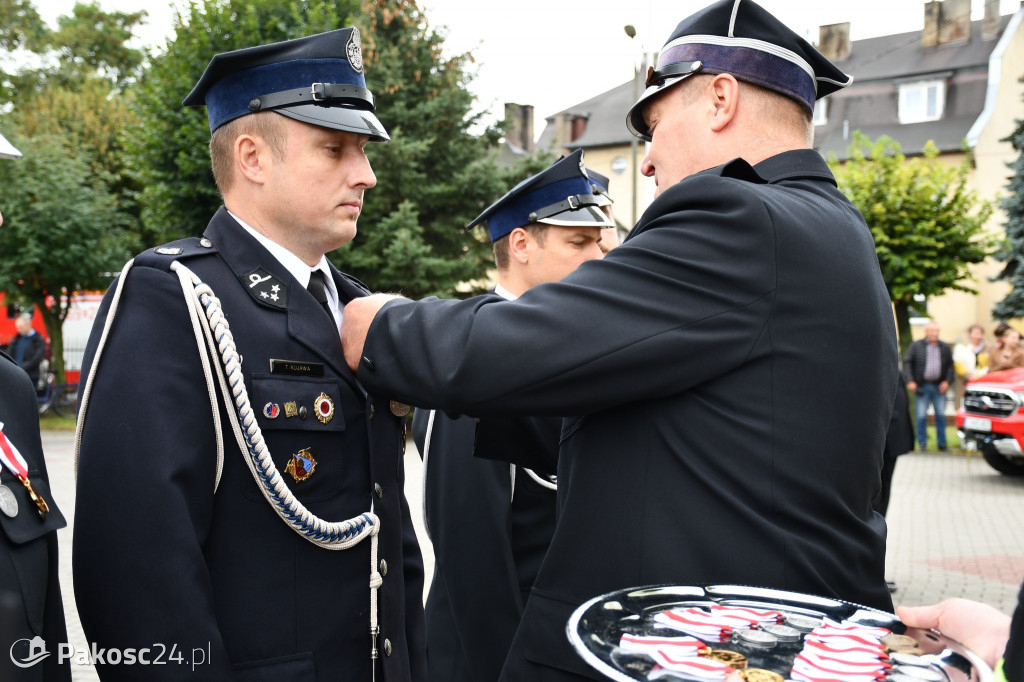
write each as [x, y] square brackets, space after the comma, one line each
[265, 288]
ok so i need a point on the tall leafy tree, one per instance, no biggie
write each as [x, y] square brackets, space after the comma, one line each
[60, 234]
[1013, 255]
[432, 178]
[68, 203]
[928, 226]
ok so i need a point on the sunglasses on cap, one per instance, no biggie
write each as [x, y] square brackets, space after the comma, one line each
[658, 77]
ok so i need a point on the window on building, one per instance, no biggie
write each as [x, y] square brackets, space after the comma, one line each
[820, 115]
[922, 101]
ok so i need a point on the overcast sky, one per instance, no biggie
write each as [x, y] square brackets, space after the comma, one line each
[553, 53]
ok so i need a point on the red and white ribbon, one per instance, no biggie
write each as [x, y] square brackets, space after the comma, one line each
[11, 458]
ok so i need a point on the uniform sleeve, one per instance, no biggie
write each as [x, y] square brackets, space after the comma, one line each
[469, 503]
[145, 488]
[605, 335]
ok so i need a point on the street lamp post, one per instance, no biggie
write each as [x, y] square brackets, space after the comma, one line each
[634, 143]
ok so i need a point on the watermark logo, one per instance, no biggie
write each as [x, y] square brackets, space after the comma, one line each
[36, 652]
[25, 653]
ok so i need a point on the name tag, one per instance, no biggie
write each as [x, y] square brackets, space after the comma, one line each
[297, 368]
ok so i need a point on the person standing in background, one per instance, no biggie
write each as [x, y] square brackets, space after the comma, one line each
[491, 522]
[27, 348]
[928, 367]
[970, 359]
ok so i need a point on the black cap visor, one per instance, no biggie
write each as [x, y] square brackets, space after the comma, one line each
[358, 121]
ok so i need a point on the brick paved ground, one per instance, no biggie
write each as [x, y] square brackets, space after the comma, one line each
[956, 528]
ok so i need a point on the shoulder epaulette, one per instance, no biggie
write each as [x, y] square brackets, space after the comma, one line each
[161, 257]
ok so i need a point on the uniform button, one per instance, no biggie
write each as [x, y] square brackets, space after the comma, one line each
[367, 363]
[383, 567]
[206, 243]
[399, 409]
[371, 410]
[387, 647]
[378, 489]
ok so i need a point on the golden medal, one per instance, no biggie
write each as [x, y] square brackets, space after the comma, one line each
[761, 675]
[736, 661]
[904, 643]
[301, 465]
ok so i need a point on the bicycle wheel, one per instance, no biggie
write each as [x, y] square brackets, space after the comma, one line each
[65, 400]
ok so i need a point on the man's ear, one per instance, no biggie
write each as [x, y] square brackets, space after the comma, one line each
[250, 152]
[519, 245]
[723, 94]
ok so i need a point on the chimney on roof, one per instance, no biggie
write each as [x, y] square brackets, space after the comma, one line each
[520, 129]
[955, 22]
[930, 34]
[834, 41]
[990, 24]
[579, 125]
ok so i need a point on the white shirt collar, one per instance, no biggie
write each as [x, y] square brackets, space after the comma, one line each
[295, 265]
[504, 293]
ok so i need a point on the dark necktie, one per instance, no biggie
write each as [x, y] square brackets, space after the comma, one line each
[318, 288]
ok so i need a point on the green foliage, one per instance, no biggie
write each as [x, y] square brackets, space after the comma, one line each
[928, 226]
[93, 41]
[21, 25]
[62, 231]
[67, 205]
[1013, 305]
[433, 173]
[167, 154]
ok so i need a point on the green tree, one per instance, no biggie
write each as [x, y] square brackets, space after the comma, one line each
[928, 226]
[60, 234]
[432, 178]
[93, 41]
[68, 203]
[1013, 255]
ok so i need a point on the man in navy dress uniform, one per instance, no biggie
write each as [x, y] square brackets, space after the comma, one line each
[728, 372]
[490, 522]
[32, 626]
[183, 537]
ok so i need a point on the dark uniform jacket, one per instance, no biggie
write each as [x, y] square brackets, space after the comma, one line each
[914, 363]
[34, 353]
[30, 601]
[728, 374]
[160, 558]
[490, 524]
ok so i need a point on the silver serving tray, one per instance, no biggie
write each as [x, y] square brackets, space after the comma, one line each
[595, 628]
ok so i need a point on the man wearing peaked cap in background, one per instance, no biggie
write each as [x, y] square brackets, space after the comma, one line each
[490, 523]
[599, 183]
[728, 372]
[185, 538]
